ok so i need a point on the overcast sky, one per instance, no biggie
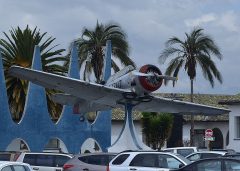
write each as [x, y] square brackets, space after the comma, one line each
[148, 24]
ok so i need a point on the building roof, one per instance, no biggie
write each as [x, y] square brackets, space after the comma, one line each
[235, 100]
[206, 99]
[229, 102]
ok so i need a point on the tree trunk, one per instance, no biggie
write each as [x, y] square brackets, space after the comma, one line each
[192, 118]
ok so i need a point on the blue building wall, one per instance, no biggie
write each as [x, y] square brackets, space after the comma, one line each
[36, 128]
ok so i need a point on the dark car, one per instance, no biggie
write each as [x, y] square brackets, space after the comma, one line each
[89, 162]
[212, 164]
[229, 151]
[236, 156]
[9, 155]
[205, 154]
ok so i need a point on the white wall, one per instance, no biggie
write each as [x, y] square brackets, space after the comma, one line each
[186, 132]
[234, 143]
[223, 126]
[117, 127]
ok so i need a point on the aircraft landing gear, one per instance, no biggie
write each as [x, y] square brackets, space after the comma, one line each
[146, 98]
[133, 97]
[129, 95]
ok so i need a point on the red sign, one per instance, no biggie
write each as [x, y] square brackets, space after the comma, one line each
[208, 133]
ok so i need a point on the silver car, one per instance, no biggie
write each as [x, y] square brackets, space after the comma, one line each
[89, 162]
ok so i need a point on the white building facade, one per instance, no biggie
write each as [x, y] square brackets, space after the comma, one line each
[234, 124]
[220, 134]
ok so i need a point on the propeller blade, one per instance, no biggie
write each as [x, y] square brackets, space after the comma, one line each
[166, 77]
[155, 75]
[143, 74]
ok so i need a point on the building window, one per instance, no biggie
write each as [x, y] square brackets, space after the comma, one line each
[237, 126]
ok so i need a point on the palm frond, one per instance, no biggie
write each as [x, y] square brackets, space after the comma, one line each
[17, 49]
[91, 44]
[197, 48]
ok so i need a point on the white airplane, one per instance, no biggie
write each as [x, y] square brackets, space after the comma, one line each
[128, 86]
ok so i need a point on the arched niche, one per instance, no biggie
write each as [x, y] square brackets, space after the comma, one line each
[18, 145]
[56, 113]
[16, 117]
[218, 141]
[90, 146]
[55, 145]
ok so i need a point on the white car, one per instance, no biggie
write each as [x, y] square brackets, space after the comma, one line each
[184, 151]
[44, 161]
[147, 161]
[14, 166]
[205, 154]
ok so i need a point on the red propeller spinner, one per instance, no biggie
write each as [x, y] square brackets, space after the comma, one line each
[150, 83]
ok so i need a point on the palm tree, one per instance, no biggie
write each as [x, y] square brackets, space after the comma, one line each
[91, 49]
[17, 49]
[196, 49]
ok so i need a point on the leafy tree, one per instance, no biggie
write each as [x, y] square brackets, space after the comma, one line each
[17, 49]
[91, 49]
[197, 49]
[157, 128]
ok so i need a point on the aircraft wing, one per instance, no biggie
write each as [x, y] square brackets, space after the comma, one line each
[176, 106]
[107, 97]
[78, 89]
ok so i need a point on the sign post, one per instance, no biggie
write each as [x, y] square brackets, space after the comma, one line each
[208, 133]
[209, 137]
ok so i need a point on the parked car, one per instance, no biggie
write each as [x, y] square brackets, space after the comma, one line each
[236, 156]
[229, 151]
[205, 154]
[89, 162]
[147, 161]
[184, 151]
[14, 166]
[9, 155]
[44, 161]
[212, 164]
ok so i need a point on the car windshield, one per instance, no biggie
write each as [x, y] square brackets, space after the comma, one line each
[183, 159]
